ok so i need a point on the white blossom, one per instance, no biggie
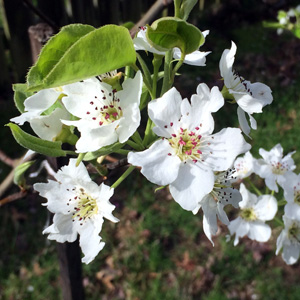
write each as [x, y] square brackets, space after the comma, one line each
[46, 126]
[188, 153]
[213, 203]
[289, 241]
[105, 115]
[196, 58]
[79, 206]
[244, 166]
[250, 97]
[291, 189]
[254, 212]
[274, 167]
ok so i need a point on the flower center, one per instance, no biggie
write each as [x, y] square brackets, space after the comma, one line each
[105, 109]
[222, 181]
[248, 214]
[85, 206]
[294, 233]
[239, 84]
[279, 168]
[296, 195]
[190, 145]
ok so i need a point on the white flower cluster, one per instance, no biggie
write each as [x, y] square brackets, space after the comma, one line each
[275, 169]
[197, 164]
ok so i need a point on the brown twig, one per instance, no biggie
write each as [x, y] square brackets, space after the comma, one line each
[13, 197]
[150, 15]
[7, 160]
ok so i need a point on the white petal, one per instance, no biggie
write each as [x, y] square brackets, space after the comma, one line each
[209, 207]
[262, 92]
[48, 127]
[191, 185]
[196, 58]
[206, 229]
[290, 253]
[164, 111]
[71, 172]
[238, 227]
[141, 43]
[243, 121]
[225, 146]
[90, 242]
[157, 166]
[62, 229]
[202, 105]
[292, 210]
[266, 207]
[247, 102]
[259, 231]
[52, 192]
[226, 63]
[94, 139]
[42, 100]
[249, 199]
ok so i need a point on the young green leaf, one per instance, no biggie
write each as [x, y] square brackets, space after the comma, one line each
[78, 52]
[19, 172]
[20, 95]
[36, 144]
[186, 8]
[170, 32]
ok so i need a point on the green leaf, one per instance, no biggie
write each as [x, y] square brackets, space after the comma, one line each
[167, 33]
[186, 8]
[78, 52]
[36, 144]
[19, 171]
[20, 95]
[103, 151]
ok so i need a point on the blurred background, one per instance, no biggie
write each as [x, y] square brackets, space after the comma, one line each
[157, 250]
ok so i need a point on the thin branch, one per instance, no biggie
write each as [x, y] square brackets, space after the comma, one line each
[39, 13]
[158, 6]
[7, 160]
[13, 197]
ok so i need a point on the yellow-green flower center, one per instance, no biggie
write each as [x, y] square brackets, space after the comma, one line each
[279, 168]
[248, 214]
[297, 196]
[85, 206]
[294, 232]
[186, 145]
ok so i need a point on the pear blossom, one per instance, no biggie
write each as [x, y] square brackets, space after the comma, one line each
[250, 97]
[213, 203]
[291, 189]
[274, 167]
[188, 153]
[105, 115]
[46, 126]
[289, 240]
[254, 212]
[79, 206]
[244, 166]
[196, 58]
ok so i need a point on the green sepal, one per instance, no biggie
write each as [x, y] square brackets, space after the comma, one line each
[20, 95]
[19, 172]
[170, 32]
[103, 151]
[80, 51]
[36, 144]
